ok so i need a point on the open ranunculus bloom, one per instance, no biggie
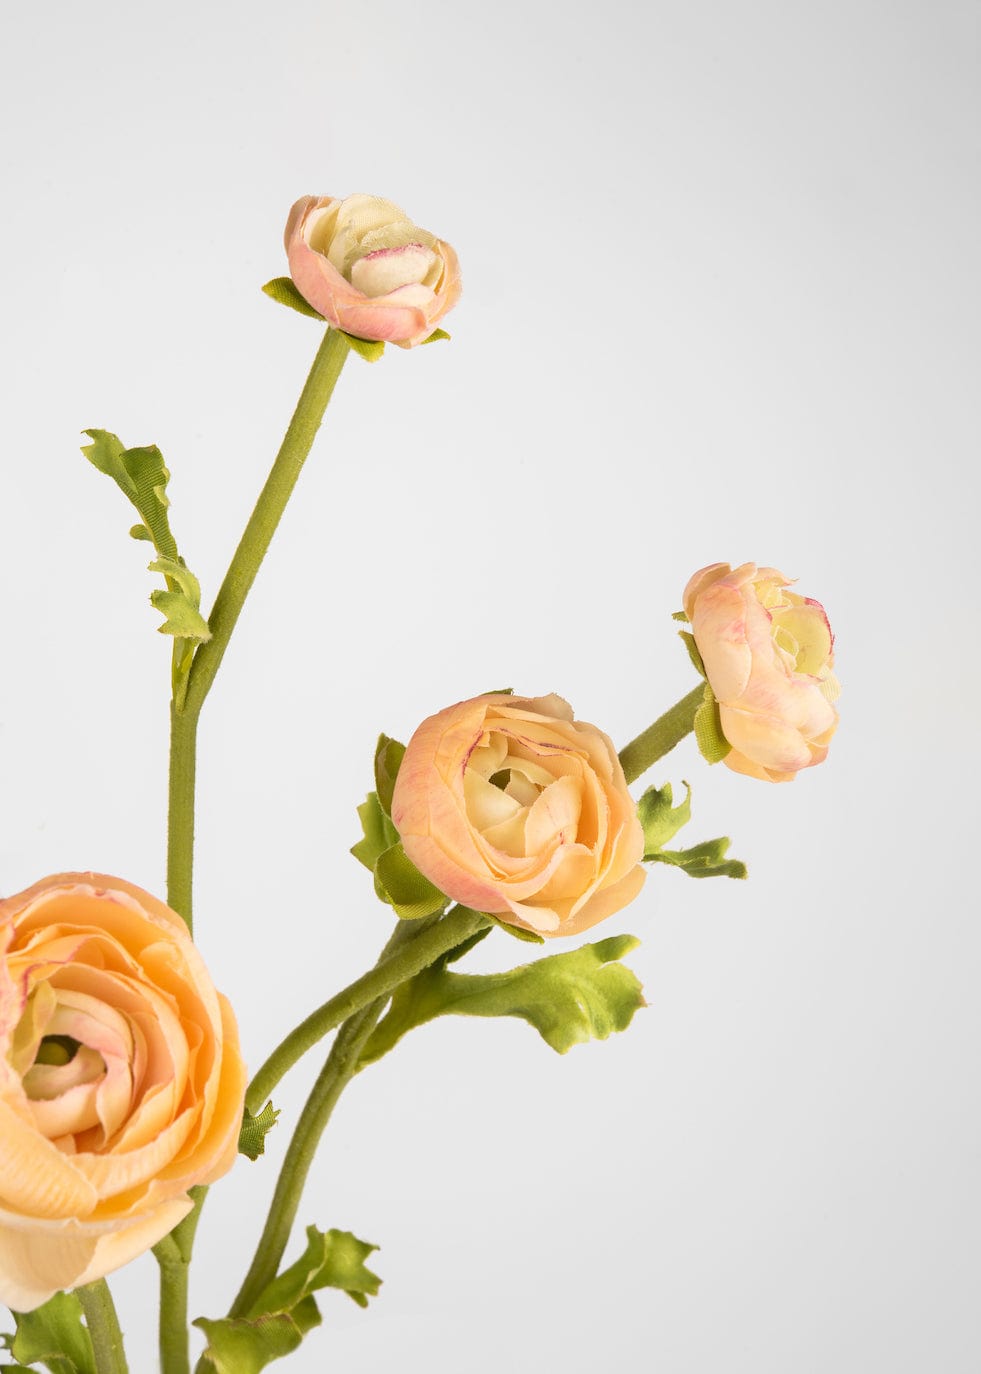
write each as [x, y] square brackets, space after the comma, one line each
[369, 270]
[511, 806]
[121, 1082]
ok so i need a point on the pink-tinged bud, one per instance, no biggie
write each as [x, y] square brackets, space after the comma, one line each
[369, 270]
[768, 655]
[512, 807]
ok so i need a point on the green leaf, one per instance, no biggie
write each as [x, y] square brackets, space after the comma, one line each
[141, 532]
[569, 998]
[436, 335]
[708, 730]
[54, 1335]
[399, 883]
[283, 290]
[679, 615]
[689, 642]
[531, 937]
[378, 833]
[705, 860]
[389, 754]
[254, 1129]
[181, 617]
[660, 819]
[369, 349]
[286, 1309]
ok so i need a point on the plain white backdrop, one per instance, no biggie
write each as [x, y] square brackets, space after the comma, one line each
[721, 303]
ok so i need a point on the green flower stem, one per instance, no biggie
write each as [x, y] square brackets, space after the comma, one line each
[661, 737]
[103, 1327]
[341, 1065]
[231, 597]
[415, 955]
[188, 698]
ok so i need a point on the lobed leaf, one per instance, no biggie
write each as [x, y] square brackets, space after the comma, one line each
[660, 819]
[283, 290]
[378, 833]
[569, 998]
[54, 1335]
[254, 1129]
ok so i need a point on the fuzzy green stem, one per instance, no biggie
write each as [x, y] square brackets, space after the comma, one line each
[661, 737]
[103, 1327]
[420, 951]
[341, 1065]
[189, 697]
[242, 570]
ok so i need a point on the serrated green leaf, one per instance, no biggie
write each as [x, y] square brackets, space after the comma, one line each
[284, 292]
[181, 618]
[436, 335]
[689, 642]
[679, 615]
[378, 833]
[389, 754]
[399, 883]
[175, 570]
[711, 742]
[705, 860]
[286, 1309]
[369, 349]
[254, 1129]
[660, 818]
[54, 1335]
[106, 453]
[569, 998]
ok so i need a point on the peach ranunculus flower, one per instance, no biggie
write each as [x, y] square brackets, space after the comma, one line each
[512, 807]
[369, 270]
[121, 1082]
[768, 655]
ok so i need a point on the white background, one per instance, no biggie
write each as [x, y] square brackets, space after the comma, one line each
[721, 303]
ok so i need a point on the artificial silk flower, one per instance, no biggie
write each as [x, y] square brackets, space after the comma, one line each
[369, 270]
[768, 656]
[121, 1082]
[511, 806]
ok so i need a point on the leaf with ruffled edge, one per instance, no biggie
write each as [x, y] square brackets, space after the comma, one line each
[142, 476]
[378, 832]
[662, 820]
[286, 1309]
[54, 1335]
[254, 1129]
[585, 994]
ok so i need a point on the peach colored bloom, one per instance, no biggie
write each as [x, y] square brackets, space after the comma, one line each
[369, 270]
[511, 806]
[768, 655]
[121, 1082]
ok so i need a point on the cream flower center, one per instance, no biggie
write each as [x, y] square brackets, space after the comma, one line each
[517, 804]
[375, 246]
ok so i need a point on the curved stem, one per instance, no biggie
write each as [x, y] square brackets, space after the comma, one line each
[189, 696]
[341, 1065]
[102, 1323]
[661, 737]
[419, 952]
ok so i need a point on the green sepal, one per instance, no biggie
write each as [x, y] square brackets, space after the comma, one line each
[680, 615]
[705, 860]
[711, 742]
[369, 349]
[519, 932]
[436, 335]
[54, 1335]
[254, 1129]
[407, 891]
[284, 292]
[378, 833]
[286, 1309]
[569, 998]
[389, 754]
[660, 818]
[689, 642]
